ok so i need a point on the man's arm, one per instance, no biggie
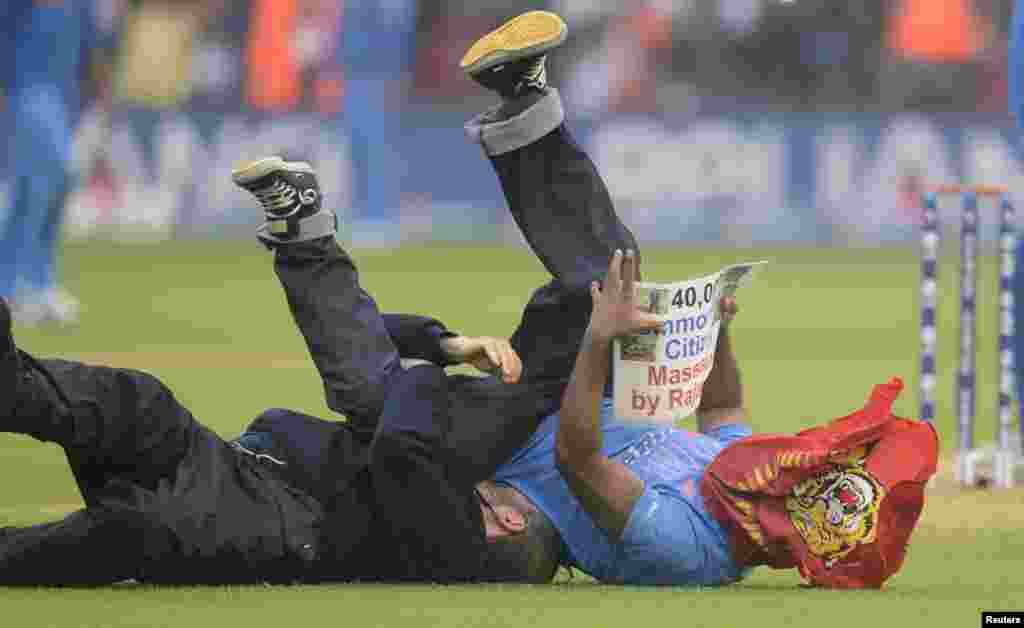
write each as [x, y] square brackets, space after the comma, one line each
[424, 338]
[419, 337]
[722, 399]
[607, 489]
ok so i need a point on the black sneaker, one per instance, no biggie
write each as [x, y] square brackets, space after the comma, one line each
[288, 191]
[511, 59]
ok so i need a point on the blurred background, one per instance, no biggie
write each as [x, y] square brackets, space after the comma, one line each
[735, 122]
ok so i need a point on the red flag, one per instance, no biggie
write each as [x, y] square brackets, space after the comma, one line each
[838, 502]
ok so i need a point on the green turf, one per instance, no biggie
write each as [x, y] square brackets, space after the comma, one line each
[817, 329]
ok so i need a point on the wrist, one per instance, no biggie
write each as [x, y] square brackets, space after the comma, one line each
[597, 339]
[450, 345]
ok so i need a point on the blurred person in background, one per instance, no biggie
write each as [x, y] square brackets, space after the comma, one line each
[153, 78]
[46, 45]
[621, 75]
[806, 55]
[992, 64]
[348, 59]
[841, 44]
[273, 80]
[288, 56]
[933, 55]
[376, 52]
[218, 68]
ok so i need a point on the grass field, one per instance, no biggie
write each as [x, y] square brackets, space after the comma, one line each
[817, 329]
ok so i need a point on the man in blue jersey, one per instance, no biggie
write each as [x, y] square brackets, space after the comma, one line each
[624, 496]
[662, 506]
[44, 44]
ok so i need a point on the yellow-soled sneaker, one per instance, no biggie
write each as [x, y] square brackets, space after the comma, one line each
[512, 57]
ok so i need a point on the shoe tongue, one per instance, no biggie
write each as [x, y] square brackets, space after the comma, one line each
[536, 70]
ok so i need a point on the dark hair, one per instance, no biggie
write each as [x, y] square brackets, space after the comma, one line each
[531, 556]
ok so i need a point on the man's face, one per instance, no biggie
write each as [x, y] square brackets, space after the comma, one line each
[524, 543]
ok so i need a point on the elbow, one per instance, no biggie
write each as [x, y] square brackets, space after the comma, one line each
[567, 457]
[571, 459]
[709, 420]
[563, 454]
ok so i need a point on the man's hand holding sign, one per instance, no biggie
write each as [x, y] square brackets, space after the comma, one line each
[660, 374]
[608, 489]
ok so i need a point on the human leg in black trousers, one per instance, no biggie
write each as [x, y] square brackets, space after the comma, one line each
[343, 329]
[153, 480]
[565, 212]
[112, 424]
[89, 547]
[562, 206]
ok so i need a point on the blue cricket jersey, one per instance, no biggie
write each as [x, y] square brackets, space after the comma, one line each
[670, 538]
[13, 14]
[45, 46]
[378, 37]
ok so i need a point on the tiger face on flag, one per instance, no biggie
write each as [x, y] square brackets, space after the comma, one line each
[836, 511]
